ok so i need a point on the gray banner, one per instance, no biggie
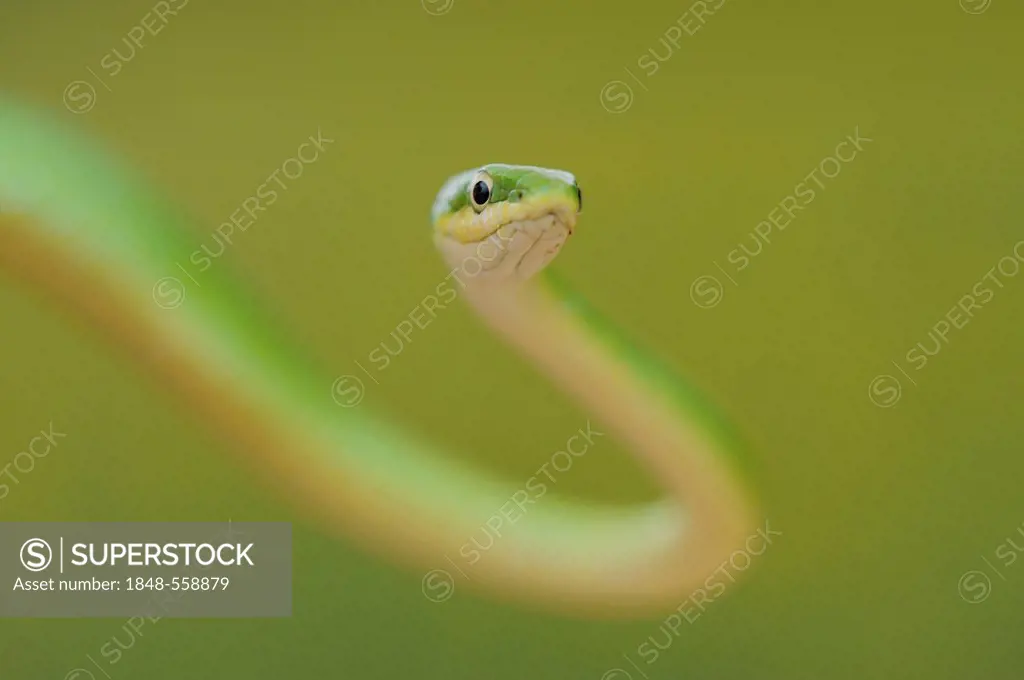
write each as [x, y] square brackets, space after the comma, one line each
[156, 570]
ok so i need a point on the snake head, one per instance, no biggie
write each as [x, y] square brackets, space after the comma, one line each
[505, 221]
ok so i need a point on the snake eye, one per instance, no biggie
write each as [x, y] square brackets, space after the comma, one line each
[480, 190]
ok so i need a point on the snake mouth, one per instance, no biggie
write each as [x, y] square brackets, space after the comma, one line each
[513, 250]
[467, 226]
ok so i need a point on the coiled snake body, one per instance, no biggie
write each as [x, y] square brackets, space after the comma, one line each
[74, 222]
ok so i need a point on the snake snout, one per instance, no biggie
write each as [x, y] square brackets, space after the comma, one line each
[515, 252]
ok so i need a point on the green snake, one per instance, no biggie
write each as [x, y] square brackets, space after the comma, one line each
[90, 232]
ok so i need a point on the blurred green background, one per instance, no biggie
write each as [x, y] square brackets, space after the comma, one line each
[882, 509]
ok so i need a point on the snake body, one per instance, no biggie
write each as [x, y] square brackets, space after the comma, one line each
[76, 223]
